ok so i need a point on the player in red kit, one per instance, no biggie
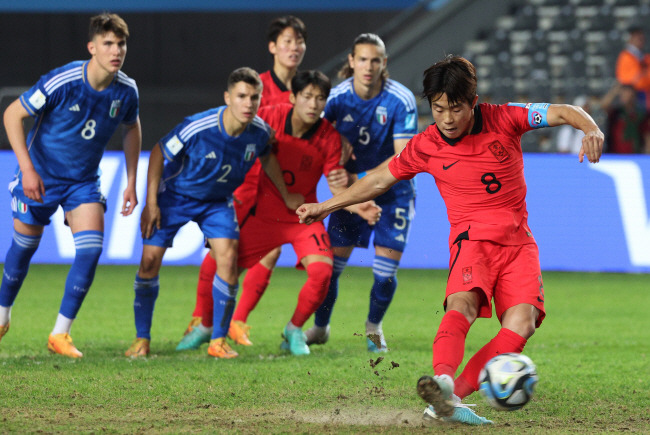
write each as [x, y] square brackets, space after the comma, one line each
[307, 147]
[287, 37]
[474, 153]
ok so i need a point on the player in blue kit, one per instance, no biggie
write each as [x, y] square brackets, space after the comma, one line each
[378, 116]
[208, 156]
[77, 108]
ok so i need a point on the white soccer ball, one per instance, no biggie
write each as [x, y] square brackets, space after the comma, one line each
[508, 380]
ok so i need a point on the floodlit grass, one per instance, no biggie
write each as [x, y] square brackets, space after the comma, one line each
[592, 356]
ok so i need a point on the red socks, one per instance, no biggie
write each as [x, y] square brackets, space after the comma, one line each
[449, 344]
[505, 341]
[313, 292]
[203, 307]
[255, 283]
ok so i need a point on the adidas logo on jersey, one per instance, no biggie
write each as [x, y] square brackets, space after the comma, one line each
[400, 238]
[74, 108]
[348, 118]
[211, 155]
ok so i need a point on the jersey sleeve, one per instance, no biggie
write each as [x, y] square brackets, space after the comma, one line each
[133, 108]
[523, 117]
[36, 101]
[406, 119]
[330, 110]
[408, 163]
[171, 145]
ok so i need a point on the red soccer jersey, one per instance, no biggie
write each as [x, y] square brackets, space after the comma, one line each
[274, 91]
[302, 160]
[480, 177]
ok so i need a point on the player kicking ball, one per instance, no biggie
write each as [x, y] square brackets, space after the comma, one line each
[307, 147]
[474, 153]
[208, 155]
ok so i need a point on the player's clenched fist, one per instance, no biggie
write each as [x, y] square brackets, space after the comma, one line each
[310, 213]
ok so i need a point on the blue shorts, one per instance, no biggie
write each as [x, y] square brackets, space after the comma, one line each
[216, 219]
[392, 230]
[68, 196]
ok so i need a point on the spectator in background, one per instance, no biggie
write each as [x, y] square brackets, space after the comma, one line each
[628, 123]
[633, 65]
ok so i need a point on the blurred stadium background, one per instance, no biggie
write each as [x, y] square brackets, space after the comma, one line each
[180, 54]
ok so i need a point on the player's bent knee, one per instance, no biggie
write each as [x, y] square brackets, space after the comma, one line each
[320, 272]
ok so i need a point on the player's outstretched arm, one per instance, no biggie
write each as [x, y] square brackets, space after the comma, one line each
[272, 168]
[13, 121]
[132, 144]
[592, 143]
[371, 186]
[368, 211]
[150, 218]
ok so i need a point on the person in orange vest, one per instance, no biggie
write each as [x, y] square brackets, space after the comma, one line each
[633, 65]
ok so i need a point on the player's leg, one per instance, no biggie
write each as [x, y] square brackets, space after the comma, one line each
[468, 296]
[391, 236]
[254, 285]
[313, 249]
[519, 303]
[146, 287]
[203, 292]
[26, 239]
[224, 292]
[87, 225]
[320, 332]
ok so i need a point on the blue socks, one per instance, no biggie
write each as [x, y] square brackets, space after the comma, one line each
[146, 293]
[324, 312]
[223, 295]
[20, 253]
[385, 271]
[88, 248]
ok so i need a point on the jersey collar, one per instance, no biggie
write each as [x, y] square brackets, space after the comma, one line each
[476, 128]
[277, 81]
[288, 129]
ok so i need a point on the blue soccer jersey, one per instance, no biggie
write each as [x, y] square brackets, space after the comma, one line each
[204, 162]
[373, 125]
[74, 122]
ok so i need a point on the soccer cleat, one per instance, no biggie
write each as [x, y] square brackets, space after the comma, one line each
[196, 321]
[220, 349]
[3, 330]
[139, 348]
[436, 392]
[294, 342]
[239, 333]
[461, 414]
[317, 335]
[194, 339]
[376, 342]
[62, 344]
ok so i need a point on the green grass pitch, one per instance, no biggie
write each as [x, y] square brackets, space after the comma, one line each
[592, 355]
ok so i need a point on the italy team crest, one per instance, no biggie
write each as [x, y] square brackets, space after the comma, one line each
[381, 114]
[115, 108]
[250, 152]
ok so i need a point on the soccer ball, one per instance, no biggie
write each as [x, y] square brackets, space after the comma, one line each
[508, 380]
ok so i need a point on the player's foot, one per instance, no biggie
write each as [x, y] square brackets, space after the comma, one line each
[196, 321]
[194, 339]
[294, 342]
[62, 344]
[461, 414]
[376, 341]
[317, 335]
[220, 349]
[139, 348]
[437, 391]
[3, 330]
[239, 332]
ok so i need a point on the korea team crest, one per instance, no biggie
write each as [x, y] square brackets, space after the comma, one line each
[250, 152]
[499, 151]
[381, 115]
[115, 108]
[467, 274]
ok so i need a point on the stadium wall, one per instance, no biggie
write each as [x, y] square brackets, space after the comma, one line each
[584, 217]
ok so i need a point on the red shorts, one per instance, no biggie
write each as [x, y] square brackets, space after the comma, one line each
[258, 236]
[510, 275]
